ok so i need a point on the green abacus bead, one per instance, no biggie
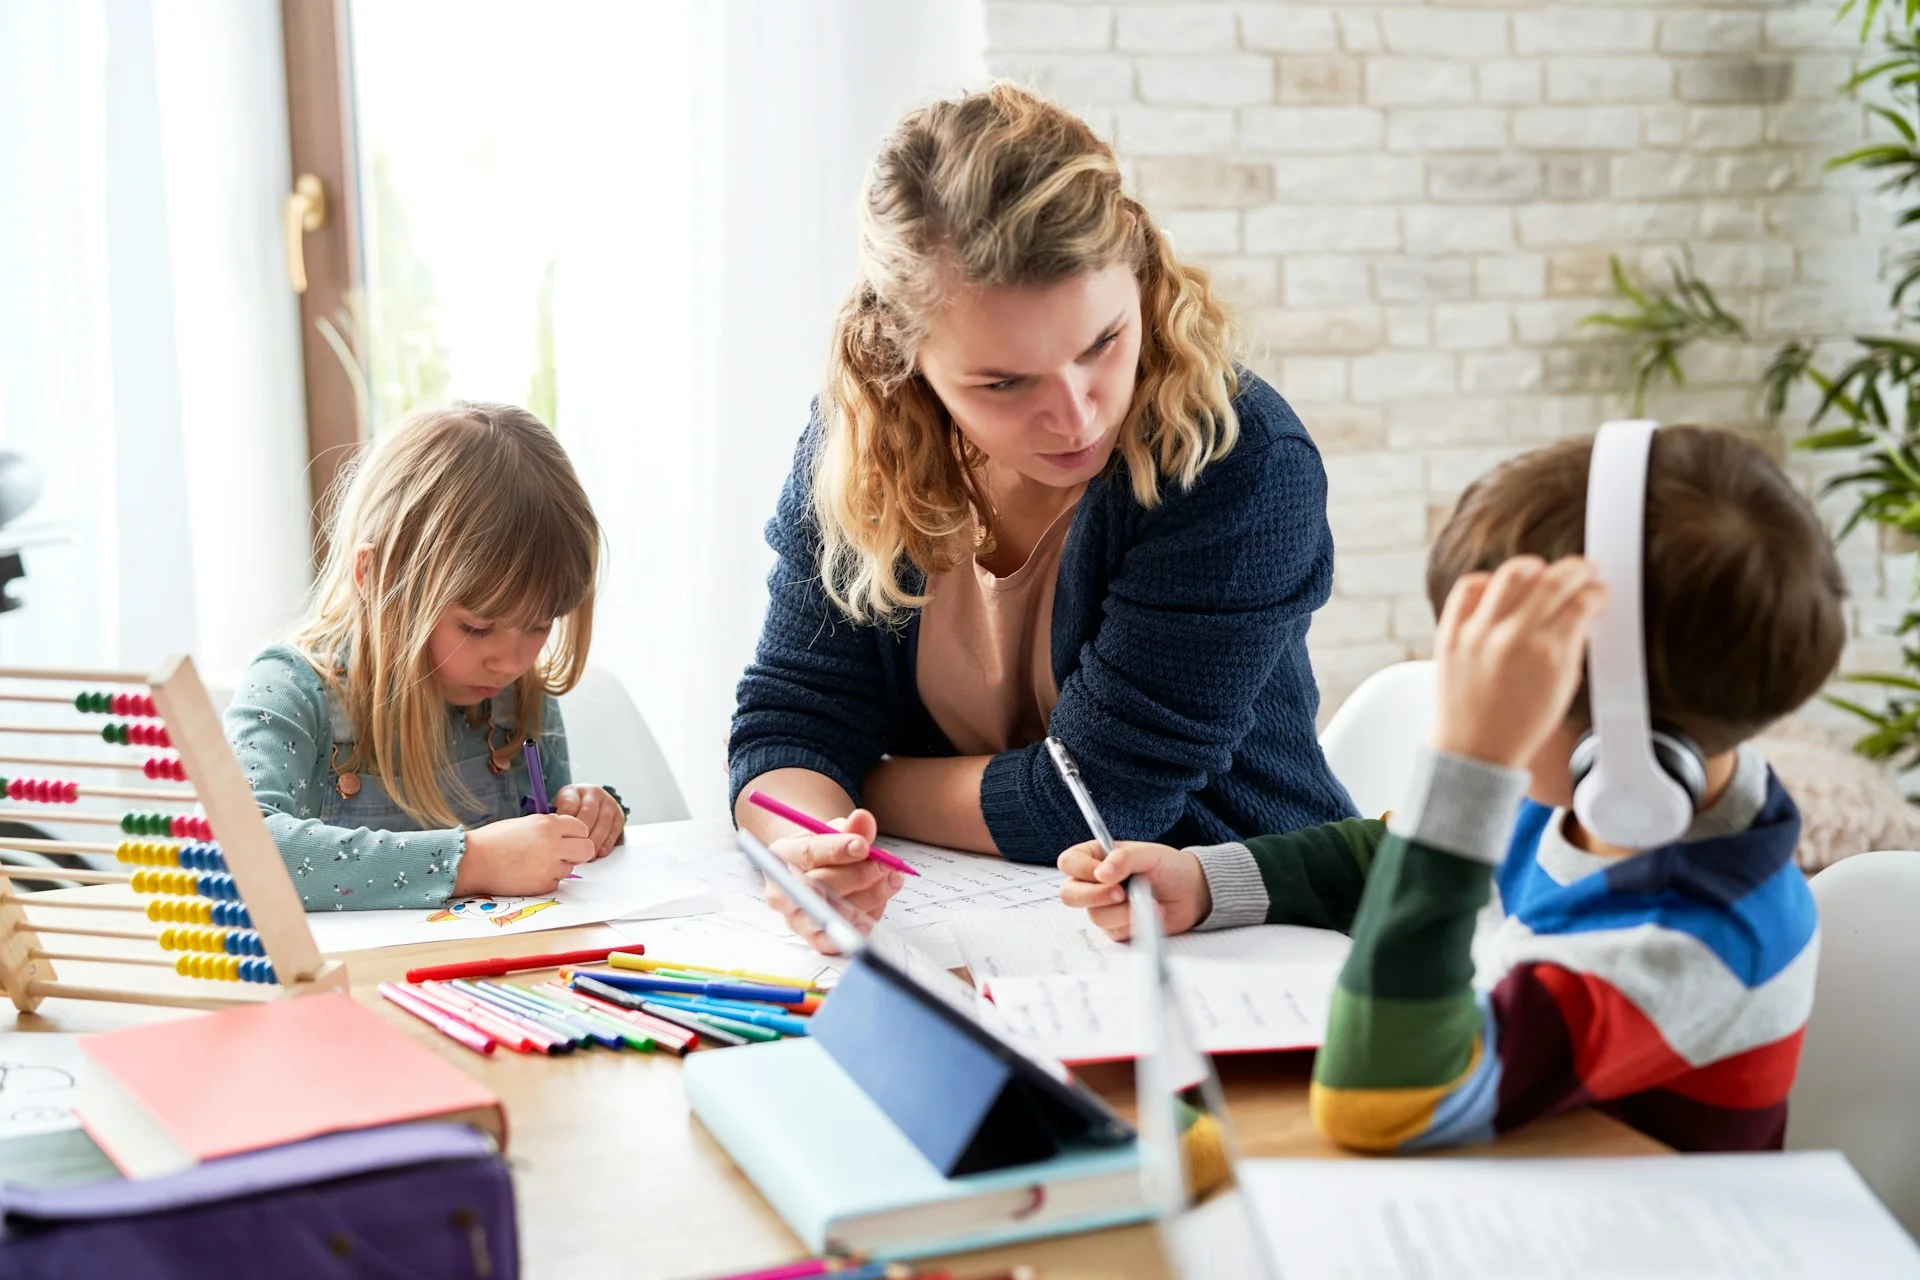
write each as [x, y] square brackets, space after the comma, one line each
[107, 734]
[129, 823]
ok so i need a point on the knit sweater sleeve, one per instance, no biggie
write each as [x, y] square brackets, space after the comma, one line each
[1414, 1057]
[282, 735]
[1209, 604]
[815, 695]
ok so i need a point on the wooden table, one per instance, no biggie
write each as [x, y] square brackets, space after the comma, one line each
[615, 1178]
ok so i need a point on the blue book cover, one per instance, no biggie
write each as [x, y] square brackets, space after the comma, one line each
[845, 1178]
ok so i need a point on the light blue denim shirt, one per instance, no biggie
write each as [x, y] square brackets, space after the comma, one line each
[364, 852]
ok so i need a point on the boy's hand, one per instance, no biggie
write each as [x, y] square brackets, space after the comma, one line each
[1509, 651]
[1096, 883]
[522, 856]
[606, 821]
[841, 864]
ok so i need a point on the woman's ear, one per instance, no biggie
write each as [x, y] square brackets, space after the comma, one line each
[362, 557]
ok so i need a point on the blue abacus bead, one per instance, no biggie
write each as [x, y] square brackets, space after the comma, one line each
[259, 947]
[228, 889]
[230, 943]
[241, 920]
[190, 858]
[214, 861]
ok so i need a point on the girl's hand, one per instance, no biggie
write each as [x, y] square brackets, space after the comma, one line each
[841, 864]
[606, 821]
[1508, 653]
[1096, 883]
[523, 857]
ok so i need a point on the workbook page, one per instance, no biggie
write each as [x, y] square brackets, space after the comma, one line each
[1232, 1006]
[1061, 941]
[1804, 1216]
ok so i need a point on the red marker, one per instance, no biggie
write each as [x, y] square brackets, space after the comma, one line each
[516, 964]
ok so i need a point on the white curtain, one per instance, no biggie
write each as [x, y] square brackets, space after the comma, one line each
[694, 306]
[149, 363]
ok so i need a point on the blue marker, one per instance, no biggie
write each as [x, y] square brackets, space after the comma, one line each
[785, 1024]
[724, 990]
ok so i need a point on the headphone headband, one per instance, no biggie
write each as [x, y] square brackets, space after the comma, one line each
[1628, 799]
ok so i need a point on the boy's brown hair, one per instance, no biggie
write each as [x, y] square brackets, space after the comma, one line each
[1742, 593]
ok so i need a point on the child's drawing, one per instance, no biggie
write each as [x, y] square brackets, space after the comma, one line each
[500, 910]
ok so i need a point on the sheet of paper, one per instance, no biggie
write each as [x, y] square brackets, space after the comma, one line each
[950, 884]
[1235, 1007]
[1800, 1216]
[1060, 941]
[39, 1082]
[627, 883]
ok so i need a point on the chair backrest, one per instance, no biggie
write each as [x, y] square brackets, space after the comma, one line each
[1858, 1087]
[609, 744]
[1372, 739]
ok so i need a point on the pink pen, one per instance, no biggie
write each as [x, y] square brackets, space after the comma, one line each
[447, 1025]
[819, 828]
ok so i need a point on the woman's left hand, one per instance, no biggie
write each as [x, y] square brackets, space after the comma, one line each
[606, 821]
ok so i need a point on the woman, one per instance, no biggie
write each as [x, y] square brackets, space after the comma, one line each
[1036, 496]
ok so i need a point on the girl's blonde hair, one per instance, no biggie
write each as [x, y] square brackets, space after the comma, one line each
[470, 504]
[997, 188]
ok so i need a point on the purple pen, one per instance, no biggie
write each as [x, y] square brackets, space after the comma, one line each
[535, 779]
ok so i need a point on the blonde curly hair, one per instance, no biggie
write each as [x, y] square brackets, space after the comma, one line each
[996, 188]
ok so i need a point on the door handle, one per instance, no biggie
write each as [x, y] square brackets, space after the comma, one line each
[305, 210]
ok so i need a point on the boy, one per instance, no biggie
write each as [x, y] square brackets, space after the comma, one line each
[1668, 987]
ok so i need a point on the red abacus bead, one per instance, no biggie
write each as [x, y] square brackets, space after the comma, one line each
[146, 705]
[154, 767]
[118, 704]
[16, 788]
[70, 793]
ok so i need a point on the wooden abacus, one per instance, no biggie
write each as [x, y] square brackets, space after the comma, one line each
[216, 883]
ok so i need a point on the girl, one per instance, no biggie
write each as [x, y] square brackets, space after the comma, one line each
[1037, 496]
[384, 740]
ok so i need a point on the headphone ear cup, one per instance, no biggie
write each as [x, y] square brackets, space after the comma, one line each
[1681, 759]
[1585, 752]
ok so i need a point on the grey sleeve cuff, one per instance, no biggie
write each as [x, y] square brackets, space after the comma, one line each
[1461, 806]
[1233, 878]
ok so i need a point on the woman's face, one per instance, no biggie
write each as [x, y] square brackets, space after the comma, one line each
[1040, 379]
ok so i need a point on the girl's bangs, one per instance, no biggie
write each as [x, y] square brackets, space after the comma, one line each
[539, 578]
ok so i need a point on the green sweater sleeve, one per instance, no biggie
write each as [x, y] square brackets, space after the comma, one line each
[282, 737]
[1316, 876]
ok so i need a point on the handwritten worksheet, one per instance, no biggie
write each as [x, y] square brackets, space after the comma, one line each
[1232, 1007]
[1059, 942]
[950, 884]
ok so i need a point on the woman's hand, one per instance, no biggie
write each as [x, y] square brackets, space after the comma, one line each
[839, 863]
[1098, 884]
[522, 857]
[1508, 656]
[606, 821]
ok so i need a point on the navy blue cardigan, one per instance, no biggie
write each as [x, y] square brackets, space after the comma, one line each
[1179, 646]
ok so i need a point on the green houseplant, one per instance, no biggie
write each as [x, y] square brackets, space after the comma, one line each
[1867, 386]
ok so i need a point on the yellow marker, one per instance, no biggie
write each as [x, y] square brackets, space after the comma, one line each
[646, 964]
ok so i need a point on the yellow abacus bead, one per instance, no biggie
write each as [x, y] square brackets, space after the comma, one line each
[167, 939]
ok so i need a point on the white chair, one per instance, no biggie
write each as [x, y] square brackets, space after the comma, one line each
[1371, 741]
[609, 744]
[1858, 1089]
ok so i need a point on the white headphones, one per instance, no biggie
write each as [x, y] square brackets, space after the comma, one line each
[1637, 783]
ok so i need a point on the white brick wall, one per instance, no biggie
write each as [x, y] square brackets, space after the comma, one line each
[1412, 205]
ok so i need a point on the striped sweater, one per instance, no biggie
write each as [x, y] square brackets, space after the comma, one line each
[1669, 989]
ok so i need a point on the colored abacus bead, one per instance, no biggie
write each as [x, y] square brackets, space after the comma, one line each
[139, 705]
[232, 914]
[41, 790]
[186, 826]
[164, 769]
